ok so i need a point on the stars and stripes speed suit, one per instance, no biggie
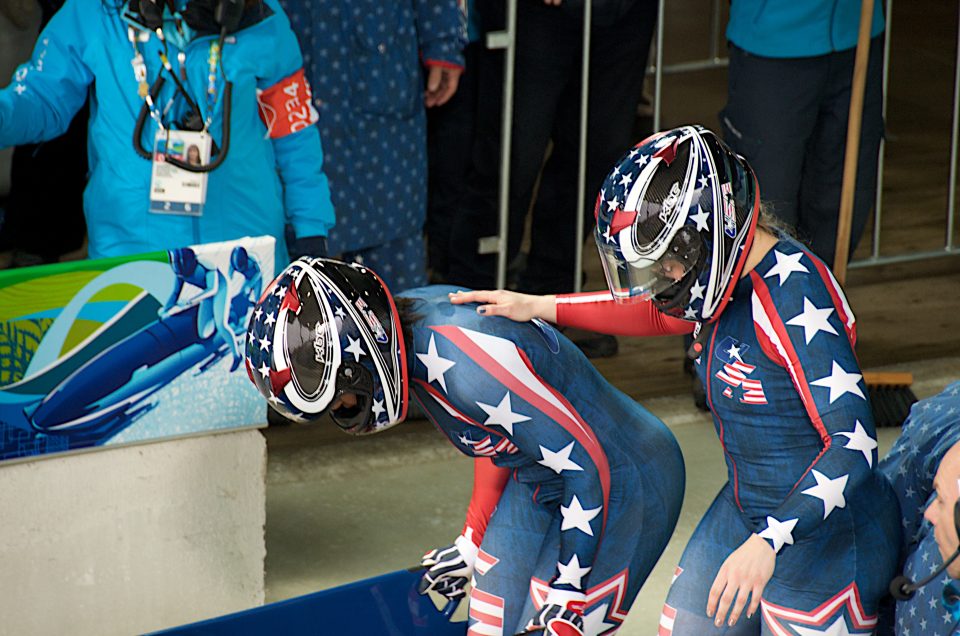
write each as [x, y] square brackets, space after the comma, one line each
[932, 429]
[577, 487]
[790, 408]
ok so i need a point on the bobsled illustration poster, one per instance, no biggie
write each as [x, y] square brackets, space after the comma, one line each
[130, 349]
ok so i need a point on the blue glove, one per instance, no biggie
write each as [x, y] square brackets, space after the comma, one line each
[449, 569]
[313, 246]
[561, 615]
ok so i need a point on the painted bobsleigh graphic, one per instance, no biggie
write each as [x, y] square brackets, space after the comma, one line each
[115, 377]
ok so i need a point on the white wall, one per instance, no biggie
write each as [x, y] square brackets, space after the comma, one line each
[133, 539]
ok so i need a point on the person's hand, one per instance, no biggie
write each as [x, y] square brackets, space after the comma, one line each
[312, 246]
[442, 82]
[518, 307]
[744, 573]
[561, 615]
[449, 569]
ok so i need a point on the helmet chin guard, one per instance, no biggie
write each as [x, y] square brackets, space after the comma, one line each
[675, 222]
[325, 338]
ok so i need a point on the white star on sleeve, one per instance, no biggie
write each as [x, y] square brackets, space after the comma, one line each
[780, 532]
[696, 292]
[786, 265]
[436, 366]
[502, 414]
[571, 573]
[860, 440]
[840, 382]
[560, 460]
[837, 628]
[813, 320]
[574, 516]
[355, 348]
[830, 491]
[700, 218]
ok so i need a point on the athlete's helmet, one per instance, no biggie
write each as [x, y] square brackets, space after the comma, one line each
[675, 221]
[239, 258]
[184, 262]
[322, 329]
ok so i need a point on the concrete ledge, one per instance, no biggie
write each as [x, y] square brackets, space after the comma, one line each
[133, 539]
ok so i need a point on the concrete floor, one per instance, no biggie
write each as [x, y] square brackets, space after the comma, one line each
[341, 509]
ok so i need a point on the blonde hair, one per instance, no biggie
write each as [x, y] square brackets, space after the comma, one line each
[772, 223]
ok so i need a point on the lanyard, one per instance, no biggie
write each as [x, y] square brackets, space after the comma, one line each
[140, 74]
[143, 89]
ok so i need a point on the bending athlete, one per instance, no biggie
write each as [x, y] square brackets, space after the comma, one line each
[577, 488]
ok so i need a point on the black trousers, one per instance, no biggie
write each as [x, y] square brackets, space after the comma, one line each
[546, 108]
[788, 118]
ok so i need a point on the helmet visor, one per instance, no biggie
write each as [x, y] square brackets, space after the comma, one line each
[354, 419]
[645, 278]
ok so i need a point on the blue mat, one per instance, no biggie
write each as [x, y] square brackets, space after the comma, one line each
[387, 605]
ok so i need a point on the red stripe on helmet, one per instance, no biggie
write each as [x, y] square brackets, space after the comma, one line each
[279, 379]
[291, 300]
[622, 219]
[668, 153]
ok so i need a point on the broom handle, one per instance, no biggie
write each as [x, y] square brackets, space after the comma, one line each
[853, 142]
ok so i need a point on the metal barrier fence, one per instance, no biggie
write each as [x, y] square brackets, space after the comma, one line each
[507, 40]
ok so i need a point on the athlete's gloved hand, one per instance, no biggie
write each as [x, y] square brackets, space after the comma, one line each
[313, 246]
[561, 615]
[449, 569]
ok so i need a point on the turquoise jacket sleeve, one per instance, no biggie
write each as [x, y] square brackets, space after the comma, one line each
[48, 90]
[299, 156]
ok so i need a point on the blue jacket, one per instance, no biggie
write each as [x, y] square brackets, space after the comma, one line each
[798, 28]
[910, 466]
[86, 49]
[364, 59]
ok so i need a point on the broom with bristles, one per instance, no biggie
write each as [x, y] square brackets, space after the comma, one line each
[890, 394]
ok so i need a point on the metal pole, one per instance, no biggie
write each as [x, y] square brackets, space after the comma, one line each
[952, 190]
[505, 40]
[715, 32]
[878, 202]
[658, 77]
[582, 166]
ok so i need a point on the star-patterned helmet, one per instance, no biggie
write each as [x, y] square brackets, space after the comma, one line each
[675, 221]
[325, 329]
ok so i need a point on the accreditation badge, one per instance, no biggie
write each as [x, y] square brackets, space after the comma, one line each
[172, 189]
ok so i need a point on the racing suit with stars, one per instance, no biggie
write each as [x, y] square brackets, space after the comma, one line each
[577, 487]
[791, 411]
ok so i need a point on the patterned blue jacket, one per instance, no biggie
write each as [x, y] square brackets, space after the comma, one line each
[930, 431]
[364, 61]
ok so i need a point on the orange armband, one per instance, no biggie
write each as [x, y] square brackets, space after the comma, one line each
[287, 106]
